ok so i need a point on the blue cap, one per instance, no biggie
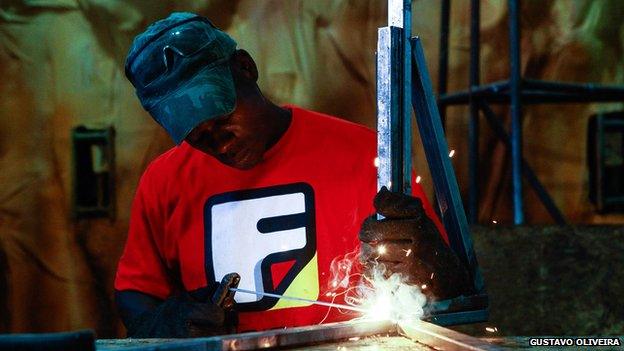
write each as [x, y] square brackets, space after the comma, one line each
[180, 69]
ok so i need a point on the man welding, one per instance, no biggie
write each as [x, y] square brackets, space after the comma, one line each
[274, 193]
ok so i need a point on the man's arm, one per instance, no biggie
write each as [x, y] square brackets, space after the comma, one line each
[145, 290]
[131, 304]
[179, 316]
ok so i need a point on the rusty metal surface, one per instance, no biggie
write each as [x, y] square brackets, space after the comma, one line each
[373, 343]
[354, 335]
[442, 338]
[285, 338]
[282, 338]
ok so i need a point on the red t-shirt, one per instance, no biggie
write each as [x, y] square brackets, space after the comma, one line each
[279, 225]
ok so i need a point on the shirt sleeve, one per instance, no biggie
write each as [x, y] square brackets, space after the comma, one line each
[141, 266]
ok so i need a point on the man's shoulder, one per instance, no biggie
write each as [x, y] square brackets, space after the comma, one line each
[337, 129]
[169, 161]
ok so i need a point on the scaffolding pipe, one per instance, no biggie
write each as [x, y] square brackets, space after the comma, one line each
[473, 125]
[516, 110]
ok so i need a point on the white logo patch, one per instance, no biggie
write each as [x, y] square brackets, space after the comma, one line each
[250, 230]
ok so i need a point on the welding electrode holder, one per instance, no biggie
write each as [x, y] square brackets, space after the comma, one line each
[223, 296]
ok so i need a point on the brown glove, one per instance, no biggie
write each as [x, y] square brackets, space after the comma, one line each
[411, 245]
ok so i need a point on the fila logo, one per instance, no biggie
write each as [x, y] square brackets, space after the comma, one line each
[266, 235]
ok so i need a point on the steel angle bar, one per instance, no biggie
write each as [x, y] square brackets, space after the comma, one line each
[322, 336]
[436, 151]
[300, 335]
[530, 176]
[393, 151]
[515, 89]
[445, 16]
[441, 338]
[282, 338]
[531, 97]
[486, 90]
[551, 97]
[569, 87]
[405, 7]
[473, 125]
[394, 128]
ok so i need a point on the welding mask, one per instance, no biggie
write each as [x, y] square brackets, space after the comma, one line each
[180, 69]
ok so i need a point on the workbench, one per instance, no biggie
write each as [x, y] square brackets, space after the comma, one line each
[353, 335]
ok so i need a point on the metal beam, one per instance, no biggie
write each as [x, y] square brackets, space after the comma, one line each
[568, 87]
[442, 338]
[394, 129]
[301, 335]
[473, 125]
[529, 96]
[436, 151]
[515, 84]
[445, 16]
[391, 149]
[323, 335]
[270, 339]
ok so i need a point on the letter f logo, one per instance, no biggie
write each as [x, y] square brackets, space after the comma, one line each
[268, 236]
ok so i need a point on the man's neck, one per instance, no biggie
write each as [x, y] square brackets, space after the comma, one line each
[281, 118]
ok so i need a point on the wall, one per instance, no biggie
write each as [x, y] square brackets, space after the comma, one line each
[62, 66]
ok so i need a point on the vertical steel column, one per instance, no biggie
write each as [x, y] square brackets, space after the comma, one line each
[389, 152]
[405, 7]
[445, 14]
[473, 126]
[516, 110]
[394, 129]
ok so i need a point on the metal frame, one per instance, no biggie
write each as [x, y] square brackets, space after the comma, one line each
[421, 332]
[462, 309]
[402, 73]
[82, 134]
[599, 125]
[515, 91]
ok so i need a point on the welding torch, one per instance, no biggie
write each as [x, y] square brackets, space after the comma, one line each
[224, 295]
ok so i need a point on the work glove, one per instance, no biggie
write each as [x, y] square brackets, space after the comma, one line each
[182, 316]
[406, 241]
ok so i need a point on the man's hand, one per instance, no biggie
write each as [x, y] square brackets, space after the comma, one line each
[406, 241]
[181, 316]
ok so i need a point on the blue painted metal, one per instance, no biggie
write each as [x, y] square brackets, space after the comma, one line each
[463, 317]
[473, 125]
[445, 15]
[436, 151]
[516, 110]
[498, 93]
[406, 97]
[525, 91]
[578, 88]
[465, 309]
